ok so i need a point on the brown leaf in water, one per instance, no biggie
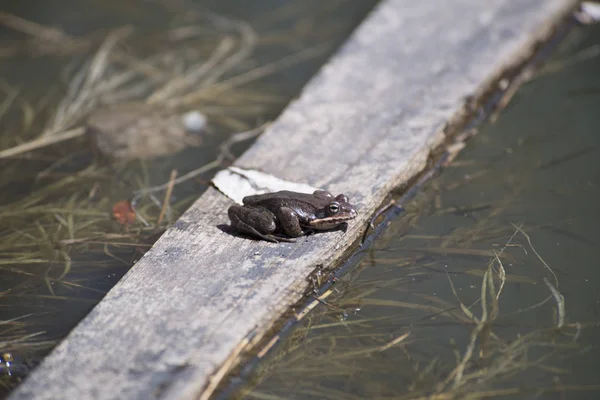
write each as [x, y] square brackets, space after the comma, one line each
[123, 212]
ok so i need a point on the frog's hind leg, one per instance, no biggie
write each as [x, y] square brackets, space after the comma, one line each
[253, 217]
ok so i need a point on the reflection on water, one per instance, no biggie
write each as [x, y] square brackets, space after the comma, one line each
[67, 230]
[461, 296]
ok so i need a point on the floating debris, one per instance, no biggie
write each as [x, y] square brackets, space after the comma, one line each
[123, 212]
[139, 131]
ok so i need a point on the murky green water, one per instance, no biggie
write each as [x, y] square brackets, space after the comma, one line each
[526, 189]
[61, 248]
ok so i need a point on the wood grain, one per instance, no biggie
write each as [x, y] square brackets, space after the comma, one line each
[363, 125]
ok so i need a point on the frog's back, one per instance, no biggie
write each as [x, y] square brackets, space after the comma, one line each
[280, 198]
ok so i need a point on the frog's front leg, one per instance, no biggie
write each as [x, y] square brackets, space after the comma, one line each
[288, 220]
[258, 222]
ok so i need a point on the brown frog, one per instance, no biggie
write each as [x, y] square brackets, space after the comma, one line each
[270, 216]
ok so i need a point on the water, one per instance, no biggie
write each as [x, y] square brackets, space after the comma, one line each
[61, 249]
[525, 188]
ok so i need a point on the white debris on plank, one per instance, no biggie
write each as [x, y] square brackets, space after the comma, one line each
[589, 13]
[236, 183]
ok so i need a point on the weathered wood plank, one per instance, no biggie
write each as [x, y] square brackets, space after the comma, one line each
[364, 125]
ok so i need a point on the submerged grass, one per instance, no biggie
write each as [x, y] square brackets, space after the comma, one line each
[205, 64]
[490, 362]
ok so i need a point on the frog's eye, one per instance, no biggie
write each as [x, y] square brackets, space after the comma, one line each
[334, 208]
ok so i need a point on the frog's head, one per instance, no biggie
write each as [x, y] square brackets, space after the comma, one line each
[334, 213]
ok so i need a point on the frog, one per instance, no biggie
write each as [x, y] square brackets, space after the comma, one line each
[285, 215]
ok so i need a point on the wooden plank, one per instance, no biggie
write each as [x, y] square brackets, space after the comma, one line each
[364, 125]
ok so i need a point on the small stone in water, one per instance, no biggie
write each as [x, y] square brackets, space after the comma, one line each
[194, 121]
